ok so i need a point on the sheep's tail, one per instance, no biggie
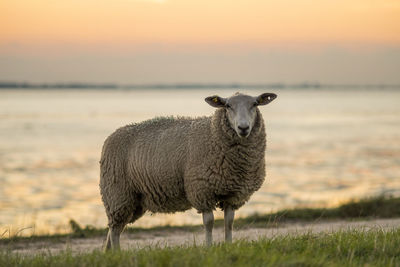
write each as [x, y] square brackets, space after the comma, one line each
[113, 160]
[112, 169]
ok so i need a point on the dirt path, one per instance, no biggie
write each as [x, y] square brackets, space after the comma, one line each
[179, 238]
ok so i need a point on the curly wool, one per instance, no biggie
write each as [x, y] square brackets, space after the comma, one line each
[174, 164]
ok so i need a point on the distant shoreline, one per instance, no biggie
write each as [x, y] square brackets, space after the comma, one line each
[111, 86]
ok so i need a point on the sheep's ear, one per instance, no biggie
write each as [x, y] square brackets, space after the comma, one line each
[216, 101]
[265, 98]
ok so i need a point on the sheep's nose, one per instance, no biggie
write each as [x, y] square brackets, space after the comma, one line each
[243, 130]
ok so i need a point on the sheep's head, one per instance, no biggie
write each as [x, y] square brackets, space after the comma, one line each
[241, 110]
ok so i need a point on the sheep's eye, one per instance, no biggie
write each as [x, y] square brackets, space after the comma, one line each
[254, 104]
[228, 106]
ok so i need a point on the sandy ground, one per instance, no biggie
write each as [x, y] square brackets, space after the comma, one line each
[182, 238]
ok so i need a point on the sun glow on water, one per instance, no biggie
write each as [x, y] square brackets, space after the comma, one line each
[324, 147]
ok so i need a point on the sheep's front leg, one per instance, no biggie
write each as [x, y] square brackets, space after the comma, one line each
[229, 215]
[208, 221]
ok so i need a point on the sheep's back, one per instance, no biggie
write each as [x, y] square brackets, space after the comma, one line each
[155, 162]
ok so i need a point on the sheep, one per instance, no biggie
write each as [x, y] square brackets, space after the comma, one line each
[170, 164]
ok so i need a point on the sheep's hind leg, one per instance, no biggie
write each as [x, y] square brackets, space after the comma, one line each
[208, 221]
[115, 232]
[107, 244]
[112, 241]
[117, 221]
[229, 215]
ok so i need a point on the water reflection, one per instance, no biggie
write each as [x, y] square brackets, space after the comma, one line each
[324, 147]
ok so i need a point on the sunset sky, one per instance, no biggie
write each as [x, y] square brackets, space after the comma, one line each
[152, 41]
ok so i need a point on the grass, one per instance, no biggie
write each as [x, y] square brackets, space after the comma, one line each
[376, 207]
[345, 248]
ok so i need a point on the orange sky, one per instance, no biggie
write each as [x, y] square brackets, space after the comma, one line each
[206, 21]
[157, 41]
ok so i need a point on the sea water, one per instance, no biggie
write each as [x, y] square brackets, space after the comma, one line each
[324, 147]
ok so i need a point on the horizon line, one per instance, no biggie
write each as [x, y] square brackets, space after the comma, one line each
[186, 85]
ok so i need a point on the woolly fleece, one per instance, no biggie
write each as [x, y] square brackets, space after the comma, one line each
[173, 164]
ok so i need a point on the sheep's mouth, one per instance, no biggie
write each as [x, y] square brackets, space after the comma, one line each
[243, 134]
